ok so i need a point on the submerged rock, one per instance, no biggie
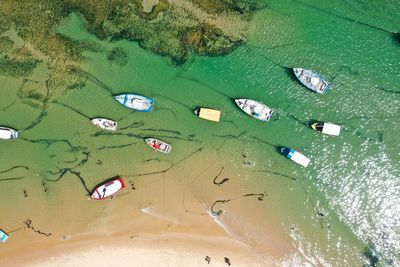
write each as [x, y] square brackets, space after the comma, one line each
[118, 56]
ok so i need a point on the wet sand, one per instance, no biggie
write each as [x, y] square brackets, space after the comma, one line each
[173, 218]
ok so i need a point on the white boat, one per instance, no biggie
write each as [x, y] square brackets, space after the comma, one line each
[326, 128]
[105, 124]
[255, 109]
[8, 133]
[3, 236]
[208, 114]
[295, 156]
[108, 188]
[312, 80]
[136, 102]
[158, 145]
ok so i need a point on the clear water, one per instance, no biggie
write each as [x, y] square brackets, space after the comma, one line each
[342, 210]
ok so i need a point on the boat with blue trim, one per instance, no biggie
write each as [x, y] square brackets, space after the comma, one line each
[3, 236]
[297, 157]
[136, 102]
[312, 80]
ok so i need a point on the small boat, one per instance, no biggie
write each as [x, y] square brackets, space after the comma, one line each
[136, 102]
[3, 236]
[295, 156]
[8, 133]
[326, 128]
[255, 109]
[108, 188]
[105, 124]
[158, 145]
[208, 114]
[312, 80]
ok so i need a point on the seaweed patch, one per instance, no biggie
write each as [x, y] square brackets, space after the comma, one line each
[29, 225]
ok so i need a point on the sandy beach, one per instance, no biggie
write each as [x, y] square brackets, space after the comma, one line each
[192, 241]
[148, 250]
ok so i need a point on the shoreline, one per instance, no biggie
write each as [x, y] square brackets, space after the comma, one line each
[167, 249]
[175, 227]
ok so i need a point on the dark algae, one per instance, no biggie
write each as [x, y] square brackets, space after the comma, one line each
[118, 56]
[180, 30]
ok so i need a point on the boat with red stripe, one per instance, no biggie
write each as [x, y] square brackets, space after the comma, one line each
[108, 188]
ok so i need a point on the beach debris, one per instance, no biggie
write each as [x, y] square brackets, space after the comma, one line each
[248, 164]
[260, 197]
[226, 179]
[322, 216]
[132, 185]
[227, 261]
[218, 212]
[148, 160]
[28, 224]
[277, 173]
[208, 259]
[44, 187]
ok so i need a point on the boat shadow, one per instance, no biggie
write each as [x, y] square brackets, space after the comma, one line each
[279, 149]
[396, 38]
[312, 121]
[289, 72]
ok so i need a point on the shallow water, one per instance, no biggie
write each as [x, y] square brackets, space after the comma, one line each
[340, 211]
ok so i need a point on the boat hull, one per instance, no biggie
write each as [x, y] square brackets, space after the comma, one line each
[136, 102]
[8, 133]
[255, 109]
[208, 114]
[108, 188]
[312, 80]
[105, 124]
[295, 156]
[327, 128]
[3, 236]
[158, 145]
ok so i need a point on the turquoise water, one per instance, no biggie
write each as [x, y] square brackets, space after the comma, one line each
[342, 210]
